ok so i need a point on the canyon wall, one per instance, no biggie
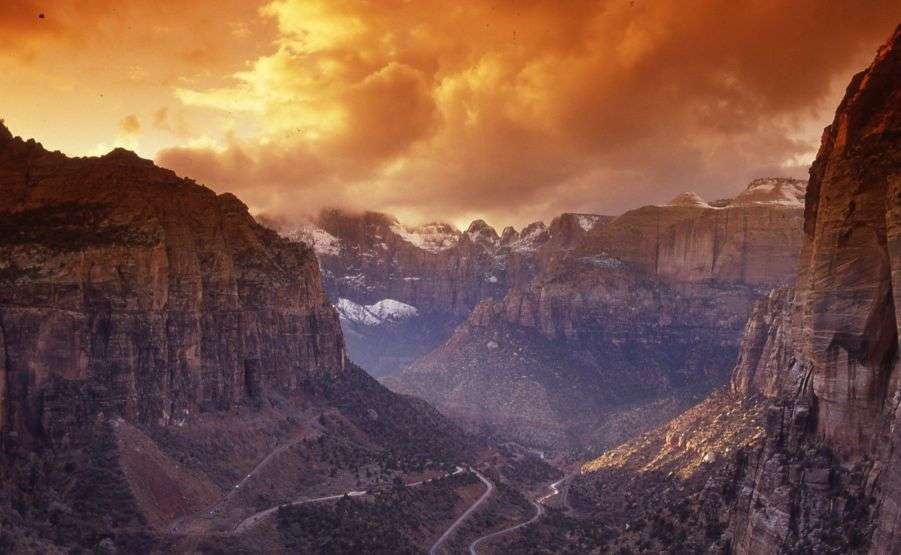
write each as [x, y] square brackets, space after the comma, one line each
[750, 239]
[828, 474]
[641, 318]
[127, 290]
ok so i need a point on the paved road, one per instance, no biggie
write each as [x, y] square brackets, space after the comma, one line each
[175, 527]
[259, 517]
[453, 527]
[256, 518]
[539, 512]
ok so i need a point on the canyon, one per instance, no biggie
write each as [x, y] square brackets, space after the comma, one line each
[638, 320]
[799, 453]
[180, 375]
[437, 271]
[154, 340]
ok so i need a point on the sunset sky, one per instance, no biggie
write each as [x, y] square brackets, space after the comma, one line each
[507, 110]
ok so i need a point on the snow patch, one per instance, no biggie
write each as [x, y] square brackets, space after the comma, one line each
[531, 238]
[323, 242]
[391, 310]
[587, 221]
[602, 260]
[773, 191]
[434, 237]
[384, 311]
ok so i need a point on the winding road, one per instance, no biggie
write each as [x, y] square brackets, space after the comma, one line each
[465, 515]
[539, 512]
[259, 517]
[175, 527]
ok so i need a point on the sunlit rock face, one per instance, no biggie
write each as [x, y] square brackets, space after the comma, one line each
[751, 239]
[828, 355]
[129, 291]
[804, 445]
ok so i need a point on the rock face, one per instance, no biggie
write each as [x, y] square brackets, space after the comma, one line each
[823, 473]
[766, 345]
[752, 239]
[130, 291]
[845, 395]
[642, 316]
[443, 273]
[157, 348]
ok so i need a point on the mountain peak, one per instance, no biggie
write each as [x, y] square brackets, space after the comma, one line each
[781, 191]
[478, 225]
[479, 230]
[688, 198]
[509, 235]
[5, 134]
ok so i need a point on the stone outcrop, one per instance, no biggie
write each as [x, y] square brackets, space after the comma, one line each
[766, 345]
[845, 388]
[130, 291]
[752, 239]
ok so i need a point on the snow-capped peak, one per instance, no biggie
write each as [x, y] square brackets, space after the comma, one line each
[480, 232]
[432, 237]
[384, 311]
[531, 237]
[773, 191]
[307, 232]
[587, 221]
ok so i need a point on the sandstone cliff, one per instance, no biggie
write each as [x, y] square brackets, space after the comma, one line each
[751, 239]
[636, 321]
[822, 473]
[161, 352]
[845, 336]
[130, 291]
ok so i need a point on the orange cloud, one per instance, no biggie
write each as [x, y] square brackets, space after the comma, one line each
[510, 110]
[515, 110]
[130, 125]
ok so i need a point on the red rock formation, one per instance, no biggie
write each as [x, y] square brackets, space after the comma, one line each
[157, 348]
[845, 336]
[753, 239]
[767, 345]
[646, 308]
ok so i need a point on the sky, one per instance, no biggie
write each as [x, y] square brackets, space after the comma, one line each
[507, 110]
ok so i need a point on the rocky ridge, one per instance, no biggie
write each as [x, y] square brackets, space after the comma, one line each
[640, 318]
[440, 271]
